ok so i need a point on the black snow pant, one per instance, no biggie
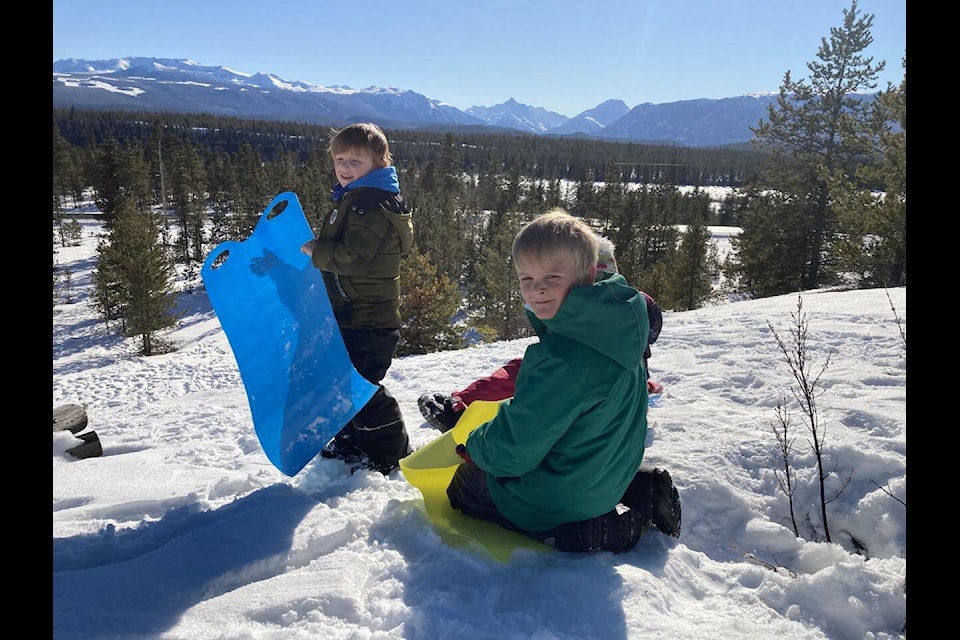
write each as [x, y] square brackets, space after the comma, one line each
[378, 427]
[468, 492]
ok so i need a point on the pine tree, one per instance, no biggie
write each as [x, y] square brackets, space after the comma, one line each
[772, 248]
[440, 215]
[188, 185]
[494, 294]
[611, 196]
[64, 170]
[143, 276]
[221, 181]
[488, 183]
[252, 195]
[429, 299]
[822, 128]
[873, 245]
[314, 184]
[282, 172]
[107, 283]
[691, 269]
[121, 174]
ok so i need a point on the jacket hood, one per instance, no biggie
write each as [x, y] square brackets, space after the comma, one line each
[610, 316]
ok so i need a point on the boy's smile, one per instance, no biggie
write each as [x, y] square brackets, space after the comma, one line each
[352, 165]
[544, 284]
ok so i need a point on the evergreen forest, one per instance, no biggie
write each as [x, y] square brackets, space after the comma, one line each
[820, 199]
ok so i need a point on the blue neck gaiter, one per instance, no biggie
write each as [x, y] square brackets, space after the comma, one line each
[384, 178]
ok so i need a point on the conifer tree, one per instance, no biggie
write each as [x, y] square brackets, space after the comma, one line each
[610, 197]
[629, 229]
[510, 195]
[121, 174]
[134, 268]
[873, 245]
[107, 283]
[252, 195]
[494, 293]
[64, 170]
[821, 127]
[221, 185]
[429, 300]
[772, 248]
[440, 214]
[158, 143]
[488, 183]
[188, 184]
[282, 172]
[554, 196]
[690, 270]
[314, 184]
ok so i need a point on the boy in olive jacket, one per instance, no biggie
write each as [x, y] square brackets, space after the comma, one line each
[358, 248]
[558, 458]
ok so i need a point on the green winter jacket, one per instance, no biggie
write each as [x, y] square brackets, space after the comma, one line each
[567, 445]
[359, 248]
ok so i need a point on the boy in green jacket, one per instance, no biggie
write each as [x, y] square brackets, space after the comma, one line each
[556, 465]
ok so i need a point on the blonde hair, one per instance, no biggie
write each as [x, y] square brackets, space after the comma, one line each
[557, 234]
[363, 136]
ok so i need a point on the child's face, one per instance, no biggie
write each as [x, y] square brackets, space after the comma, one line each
[544, 284]
[352, 164]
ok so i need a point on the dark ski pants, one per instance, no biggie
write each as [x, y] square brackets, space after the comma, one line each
[378, 427]
[468, 492]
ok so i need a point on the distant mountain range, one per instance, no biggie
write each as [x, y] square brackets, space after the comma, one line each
[183, 86]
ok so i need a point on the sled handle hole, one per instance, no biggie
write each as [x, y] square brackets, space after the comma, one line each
[277, 209]
[220, 259]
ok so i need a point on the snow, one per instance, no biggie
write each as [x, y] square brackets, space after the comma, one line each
[183, 529]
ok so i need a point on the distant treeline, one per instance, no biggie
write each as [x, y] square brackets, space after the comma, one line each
[469, 194]
[536, 157]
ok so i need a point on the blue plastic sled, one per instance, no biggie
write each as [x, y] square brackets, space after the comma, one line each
[273, 307]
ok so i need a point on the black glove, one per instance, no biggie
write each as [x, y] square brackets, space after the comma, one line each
[462, 452]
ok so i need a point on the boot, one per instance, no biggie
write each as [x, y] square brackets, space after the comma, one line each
[666, 504]
[343, 446]
[439, 411]
[616, 531]
[381, 434]
[653, 495]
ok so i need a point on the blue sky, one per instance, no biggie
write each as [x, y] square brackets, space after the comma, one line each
[564, 55]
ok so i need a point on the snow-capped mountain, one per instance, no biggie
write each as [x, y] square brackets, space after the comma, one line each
[156, 84]
[515, 115]
[179, 85]
[593, 120]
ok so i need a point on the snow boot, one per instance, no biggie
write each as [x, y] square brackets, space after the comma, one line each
[616, 531]
[666, 504]
[653, 496]
[343, 446]
[439, 412]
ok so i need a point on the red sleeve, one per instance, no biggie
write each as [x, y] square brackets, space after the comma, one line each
[498, 385]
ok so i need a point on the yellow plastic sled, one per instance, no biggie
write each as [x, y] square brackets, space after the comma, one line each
[430, 469]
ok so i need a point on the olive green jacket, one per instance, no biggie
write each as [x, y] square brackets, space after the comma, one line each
[359, 248]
